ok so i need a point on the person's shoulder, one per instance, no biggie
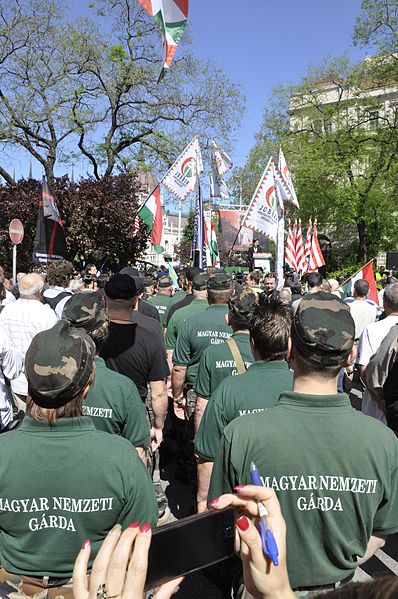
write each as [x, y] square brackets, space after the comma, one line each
[379, 435]
[146, 322]
[249, 426]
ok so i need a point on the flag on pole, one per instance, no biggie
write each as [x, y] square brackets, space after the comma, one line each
[207, 234]
[284, 170]
[262, 214]
[170, 18]
[198, 245]
[151, 214]
[173, 276]
[215, 259]
[300, 259]
[290, 254]
[367, 273]
[218, 187]
[307, 248]
[222, 161]
[180, 180]
[316, 257]
[50, 243]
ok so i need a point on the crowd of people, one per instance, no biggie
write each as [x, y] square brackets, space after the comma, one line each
[103, 377]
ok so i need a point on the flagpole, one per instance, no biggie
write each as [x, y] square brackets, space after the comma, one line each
[179, 222]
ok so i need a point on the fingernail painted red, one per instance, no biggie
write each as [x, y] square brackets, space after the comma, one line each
[86, 544]
[214, 501]
[238, 487]
[146, 528]
[242, 523]
[134, 525]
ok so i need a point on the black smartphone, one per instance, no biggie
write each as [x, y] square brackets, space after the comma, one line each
[190, 544]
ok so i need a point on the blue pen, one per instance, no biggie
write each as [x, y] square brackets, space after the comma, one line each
[270, 547]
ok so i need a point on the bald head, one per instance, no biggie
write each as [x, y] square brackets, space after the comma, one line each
[390, 298]
[31, 286]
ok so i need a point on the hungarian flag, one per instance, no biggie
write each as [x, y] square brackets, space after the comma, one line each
[151, 215]
[367, 273]
[50, 243]
[215, 260]
[290, 254]
[170, 18]
[316, 257]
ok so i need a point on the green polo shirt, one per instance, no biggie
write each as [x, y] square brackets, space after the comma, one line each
[252, 392]
[335, 472]
[197, 333]
[217, 363]
[62, 484]
[115, 406]
[161, 303]
[195, 307]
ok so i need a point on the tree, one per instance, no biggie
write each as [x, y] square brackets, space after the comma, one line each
[73, 87]
[341, 144]
[98, 218]
[377, 25]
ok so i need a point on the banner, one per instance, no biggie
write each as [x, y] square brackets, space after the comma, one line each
[198, 243]
[50, 243]
[180, 180]
[170, 18]
[367, 273]
[284, 170]
[151, 214]
[262, 215]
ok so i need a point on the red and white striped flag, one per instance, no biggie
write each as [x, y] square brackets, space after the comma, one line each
[307, 248]
[316, 257]
[136, 226]
[290, 253]
[300, 259]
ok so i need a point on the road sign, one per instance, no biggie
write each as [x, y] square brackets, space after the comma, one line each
[16, 231]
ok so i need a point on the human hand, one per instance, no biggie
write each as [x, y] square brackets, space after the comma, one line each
[119, 570]
[156, 437]
[262, 579]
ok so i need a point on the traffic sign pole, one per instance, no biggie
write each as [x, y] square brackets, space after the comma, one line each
[14, 264]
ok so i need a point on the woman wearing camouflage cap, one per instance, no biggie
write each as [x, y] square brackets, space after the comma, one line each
[62, 481]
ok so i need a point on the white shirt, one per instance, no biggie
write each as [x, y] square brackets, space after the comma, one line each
[369, 343]
[53, 292]
[21, 321]
[9, 298]
[363, 314]
[11, 364]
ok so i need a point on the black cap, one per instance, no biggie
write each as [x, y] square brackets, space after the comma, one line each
[130, 271]
[139, 283]
[121, 287]
[200, 281]
[220, 281]
[148, 281]
[191, 272]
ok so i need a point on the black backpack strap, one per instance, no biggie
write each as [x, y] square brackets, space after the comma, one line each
[54, 301]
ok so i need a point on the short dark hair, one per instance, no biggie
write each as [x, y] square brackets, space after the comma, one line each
[314, 279]
[255, 276]
[270, 328]
[313, 369]
[219, 296]
[361, 287]
[390, 297]
[59, 273]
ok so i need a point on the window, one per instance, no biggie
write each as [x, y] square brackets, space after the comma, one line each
[373, 119]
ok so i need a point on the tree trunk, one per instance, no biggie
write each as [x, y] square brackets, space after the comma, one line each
[363, 242]
[6, 176]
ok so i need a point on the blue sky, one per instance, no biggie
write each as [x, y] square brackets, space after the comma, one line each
[258, 43]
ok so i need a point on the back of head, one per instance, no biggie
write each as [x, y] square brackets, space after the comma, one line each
[30, 286]
[255, 277]
[270, 328]
[314, 279]
[59, 273]
[323, 333]
[285, 296]
[241, 306]
[382, 588]
[390, 298]
[199, 286]
[361, 288]
[191, 273]
[219, 288]
[58, 366]
[121, 290]
[87, 311]
[129, 270]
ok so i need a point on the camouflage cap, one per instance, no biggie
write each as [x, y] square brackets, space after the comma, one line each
[58, 365]
[164, 282]
[148, 281]
[85, 311]
[242, 303]
[199, 282]
[220, 281]
[323, 329]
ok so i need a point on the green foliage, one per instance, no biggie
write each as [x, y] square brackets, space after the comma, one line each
[183, 251]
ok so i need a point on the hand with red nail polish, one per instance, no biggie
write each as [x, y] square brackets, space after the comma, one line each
[120, 565]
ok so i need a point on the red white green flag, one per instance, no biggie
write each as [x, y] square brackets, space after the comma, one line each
[180, 180]
[151, 214]
[262, 214]
[367, 273]
[170, 18]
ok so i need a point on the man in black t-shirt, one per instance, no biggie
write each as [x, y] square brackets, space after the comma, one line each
[135, 348]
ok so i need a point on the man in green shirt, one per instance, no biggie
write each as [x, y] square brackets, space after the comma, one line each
[253, 392]
[162, 299]
[333, 468]
[219, 361]
[63, 481]
[199, 304]
[113, 402]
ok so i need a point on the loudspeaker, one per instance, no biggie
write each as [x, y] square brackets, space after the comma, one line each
[392, 261]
